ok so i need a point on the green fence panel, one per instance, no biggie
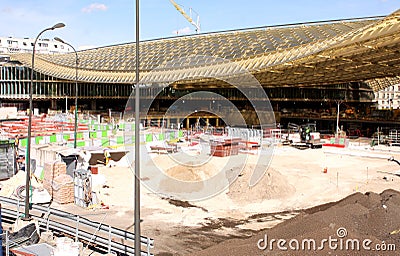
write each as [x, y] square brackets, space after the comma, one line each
[180, 133]
[105, 142]
[149, 137]
[80, 143]
[172, 135]
[23, 142]
[53, 138]
[104, 134]
[92, 135]
[120, 140]
[38, 139]
[161, 136]
[79, 135]
[66, 136]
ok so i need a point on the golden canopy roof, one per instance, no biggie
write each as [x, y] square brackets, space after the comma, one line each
[305, 54]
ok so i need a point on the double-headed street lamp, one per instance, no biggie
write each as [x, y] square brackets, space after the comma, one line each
[76, 86]
[28, 146]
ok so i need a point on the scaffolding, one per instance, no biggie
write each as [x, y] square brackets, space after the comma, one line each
[394, 137]
[7, 159]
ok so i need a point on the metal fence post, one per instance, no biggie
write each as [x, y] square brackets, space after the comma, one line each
[109, 239]
[7, 245]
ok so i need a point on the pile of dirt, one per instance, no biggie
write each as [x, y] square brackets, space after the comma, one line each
[273, 185]
[192, 173]
[184, 173]
[360, 224]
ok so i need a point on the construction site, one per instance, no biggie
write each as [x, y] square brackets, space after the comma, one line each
[79, 189]
[267, 141]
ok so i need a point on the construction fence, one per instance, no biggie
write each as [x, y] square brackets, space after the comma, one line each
[102, 135]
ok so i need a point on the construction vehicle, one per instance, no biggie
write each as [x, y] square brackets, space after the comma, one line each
[303, 136]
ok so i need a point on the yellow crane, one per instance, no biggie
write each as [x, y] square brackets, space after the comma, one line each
[188, 17]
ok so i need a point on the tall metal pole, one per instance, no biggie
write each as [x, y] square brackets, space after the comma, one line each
[76, 86]
[338, 102]
[337, 119]
[137, 142]
[28, 145]
[76, 96]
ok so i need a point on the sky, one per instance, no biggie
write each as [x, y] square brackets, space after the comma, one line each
[96, 23]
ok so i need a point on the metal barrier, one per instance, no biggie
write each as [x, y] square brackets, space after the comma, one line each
[81, 228]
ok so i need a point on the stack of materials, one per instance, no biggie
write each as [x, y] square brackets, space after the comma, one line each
[65, 246]
[83, 188]
[58, 183]
[225, 147]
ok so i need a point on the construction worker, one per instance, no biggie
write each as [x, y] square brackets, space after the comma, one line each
[107, 156]
[16, 145]
[308, 133]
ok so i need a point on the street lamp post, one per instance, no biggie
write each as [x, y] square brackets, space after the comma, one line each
[76, 86]
[28, 146]
[66, 104]
[137, 142]
[337, 117]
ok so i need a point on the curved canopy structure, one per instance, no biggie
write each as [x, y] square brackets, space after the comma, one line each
[306, 54]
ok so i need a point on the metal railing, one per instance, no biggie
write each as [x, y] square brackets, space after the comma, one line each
[100, 235]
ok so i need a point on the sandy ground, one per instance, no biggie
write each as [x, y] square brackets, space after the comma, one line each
[294, 180]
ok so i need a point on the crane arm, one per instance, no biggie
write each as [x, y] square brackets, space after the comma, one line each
[187, 17]
[177, 7]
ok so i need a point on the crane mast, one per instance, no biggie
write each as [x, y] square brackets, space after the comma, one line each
[187, 17]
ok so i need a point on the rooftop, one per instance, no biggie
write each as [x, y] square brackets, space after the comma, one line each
[304, 54]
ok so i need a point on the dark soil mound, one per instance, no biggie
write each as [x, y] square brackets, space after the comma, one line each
[360, 224]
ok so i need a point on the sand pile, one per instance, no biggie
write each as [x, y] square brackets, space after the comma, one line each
[273, 185]
[192, 173]
[191, 179]
[193, 169]
[356, 225]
